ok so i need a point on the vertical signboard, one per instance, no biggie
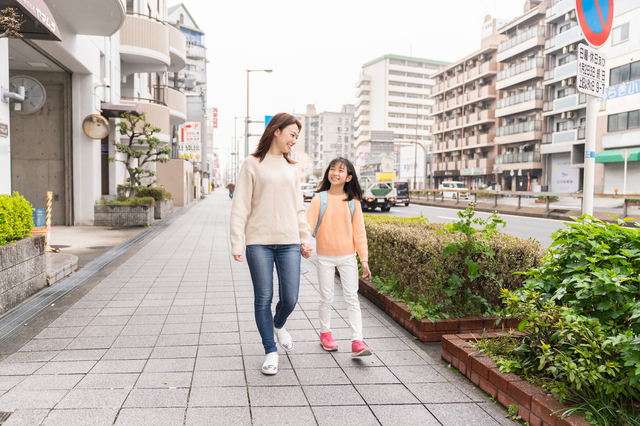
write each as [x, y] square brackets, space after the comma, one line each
[191, 141]
[214, 118]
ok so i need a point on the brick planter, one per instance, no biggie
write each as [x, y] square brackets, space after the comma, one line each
[163, 208]
[23, 271]
[425, 330]
[535, 406]
[123, 216]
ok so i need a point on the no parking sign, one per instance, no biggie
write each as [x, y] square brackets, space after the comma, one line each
[596, 19]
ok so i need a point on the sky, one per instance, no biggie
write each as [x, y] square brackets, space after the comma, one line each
[316, 49]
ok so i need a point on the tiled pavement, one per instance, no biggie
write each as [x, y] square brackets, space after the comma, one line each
[169, 338]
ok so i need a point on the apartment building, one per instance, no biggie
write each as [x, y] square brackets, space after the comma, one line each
[192, 79]
[518, 162]
[464, 114]
[618, 122]
[103, 58]
[393, 94]
[327, 135]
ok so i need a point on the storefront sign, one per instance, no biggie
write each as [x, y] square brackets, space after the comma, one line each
[4, 130]
[473, 172]
[190, 141]
[38, 20]
[621, 90]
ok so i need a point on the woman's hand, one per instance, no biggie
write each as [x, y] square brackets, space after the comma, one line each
[366, 272]
[306, 250]
[237, 258]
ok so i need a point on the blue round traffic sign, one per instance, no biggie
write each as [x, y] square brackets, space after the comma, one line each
[596, 19]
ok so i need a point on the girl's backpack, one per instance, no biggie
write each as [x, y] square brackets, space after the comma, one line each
[324, 200]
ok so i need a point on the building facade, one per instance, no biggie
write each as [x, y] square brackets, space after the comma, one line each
[464, 114]
[518, 162]
[393, 94]
[110, 57]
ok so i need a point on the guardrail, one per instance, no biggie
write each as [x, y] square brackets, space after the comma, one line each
[438, 193]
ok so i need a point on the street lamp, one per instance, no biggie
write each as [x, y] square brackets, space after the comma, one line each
[247, 121]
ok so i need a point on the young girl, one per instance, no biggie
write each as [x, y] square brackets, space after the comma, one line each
[339, 234]
[268, 216]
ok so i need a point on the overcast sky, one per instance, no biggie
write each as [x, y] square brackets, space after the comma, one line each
[316, 48]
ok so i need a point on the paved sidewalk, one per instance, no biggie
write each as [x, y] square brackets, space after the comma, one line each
[169, 338]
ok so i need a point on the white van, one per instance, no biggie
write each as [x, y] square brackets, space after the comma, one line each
[446, 188]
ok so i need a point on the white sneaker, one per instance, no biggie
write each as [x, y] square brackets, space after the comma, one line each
[270, 366]
[284, 338]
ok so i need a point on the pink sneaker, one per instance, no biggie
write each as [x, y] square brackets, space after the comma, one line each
[327, 342]
[358, 348]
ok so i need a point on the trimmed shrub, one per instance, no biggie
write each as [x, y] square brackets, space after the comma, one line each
[157, 193]
[16, 220]
[412, 252]
[124, 201]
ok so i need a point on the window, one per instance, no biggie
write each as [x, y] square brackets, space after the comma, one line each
[620, 34]
[625, 73]
[321, 138]
[129, 5]
[624, 121]
[339, 120]
[339, 129]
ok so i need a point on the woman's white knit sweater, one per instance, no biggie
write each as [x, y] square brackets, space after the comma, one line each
[267, 205]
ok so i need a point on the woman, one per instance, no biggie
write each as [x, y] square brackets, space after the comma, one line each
[268, 213]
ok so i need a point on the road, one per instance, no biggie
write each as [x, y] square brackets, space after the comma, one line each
[519, 226]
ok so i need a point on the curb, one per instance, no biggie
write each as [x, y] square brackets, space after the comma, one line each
[535, 406]
[424, 329]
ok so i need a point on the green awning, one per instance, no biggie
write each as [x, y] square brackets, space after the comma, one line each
[615, 156]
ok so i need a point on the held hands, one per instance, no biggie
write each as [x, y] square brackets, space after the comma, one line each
[305, 250]
[366, 272]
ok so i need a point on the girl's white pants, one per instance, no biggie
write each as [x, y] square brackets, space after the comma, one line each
[348, 268]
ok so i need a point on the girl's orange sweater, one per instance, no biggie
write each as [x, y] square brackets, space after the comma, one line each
[337, 234]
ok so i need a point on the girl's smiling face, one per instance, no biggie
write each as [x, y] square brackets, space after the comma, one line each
[338, 174]
[284, 140]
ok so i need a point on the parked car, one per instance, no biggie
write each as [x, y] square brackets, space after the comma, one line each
[379, 194]
[447, 187]
[308, 191]
[402, 188]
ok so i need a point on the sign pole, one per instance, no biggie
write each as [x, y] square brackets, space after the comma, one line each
[590, 155]
[624, 185]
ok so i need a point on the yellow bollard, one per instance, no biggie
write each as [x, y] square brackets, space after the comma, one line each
[48, 224]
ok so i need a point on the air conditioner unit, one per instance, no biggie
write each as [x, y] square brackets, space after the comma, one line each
[459, 68]
[481, 81]
[458, 111]
[563, 115]
[572, 48]
[564, 83]
[441, 97]
[571, 114]
[481, 57]
[572, 14]
[565, 50]
[460, 89]
[571, 81]
[480, 105]
[478, 150]
[567, 16]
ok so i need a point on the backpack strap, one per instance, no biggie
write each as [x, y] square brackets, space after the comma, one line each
[352, 207]
[324, 199]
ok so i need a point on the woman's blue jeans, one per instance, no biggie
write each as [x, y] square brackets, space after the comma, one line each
[261, 259]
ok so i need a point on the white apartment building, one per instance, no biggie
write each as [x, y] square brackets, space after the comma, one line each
[393, 94]
[94, 57]
[618, 121]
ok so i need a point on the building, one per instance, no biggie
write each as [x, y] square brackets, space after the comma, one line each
[393, 95]
[618, 125]
[518, 161]
[103, 58]
[192, 79]
[464, 114]
[326, 135]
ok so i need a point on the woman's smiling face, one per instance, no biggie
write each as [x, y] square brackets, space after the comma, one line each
[284, 140]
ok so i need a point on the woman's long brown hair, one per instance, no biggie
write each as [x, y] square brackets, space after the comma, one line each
[279, 122]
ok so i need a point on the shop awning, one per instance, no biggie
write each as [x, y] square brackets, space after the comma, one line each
[615, 155]
[39, 23]
[116, 110]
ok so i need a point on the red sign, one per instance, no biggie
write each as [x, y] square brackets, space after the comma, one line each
[215, 113]
[215, 123]
[596, 19]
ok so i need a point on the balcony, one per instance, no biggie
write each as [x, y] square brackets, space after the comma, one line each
[363, 79]
[521, 43]
[478, 140]
[533, 68]
[452, 165]
[518, 157]
[177, 49]
[144, 45]
[157, 113]
[177, 103]
[480, 117]
[525, 101]
[558, 9]
[566, 38]
[567, 136]
[91, 17]
[486, 68]
[520, 132]
[572, 101]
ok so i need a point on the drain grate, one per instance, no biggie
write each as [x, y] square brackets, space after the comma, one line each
[59, 246]
[99, 247]
[4, 416]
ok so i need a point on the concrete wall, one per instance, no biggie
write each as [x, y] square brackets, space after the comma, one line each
[22, 271]
[176, 176]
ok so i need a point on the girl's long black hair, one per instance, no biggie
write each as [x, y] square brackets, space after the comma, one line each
[351, 188]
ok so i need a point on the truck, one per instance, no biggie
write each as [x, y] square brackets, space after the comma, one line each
[377, 194]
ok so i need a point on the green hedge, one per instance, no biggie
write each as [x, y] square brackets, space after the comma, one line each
[157, 193]
[411, 251]
[16, 218]
[124, 201]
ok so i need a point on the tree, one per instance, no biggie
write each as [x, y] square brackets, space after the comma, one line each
[10, 21]
[141, 148]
